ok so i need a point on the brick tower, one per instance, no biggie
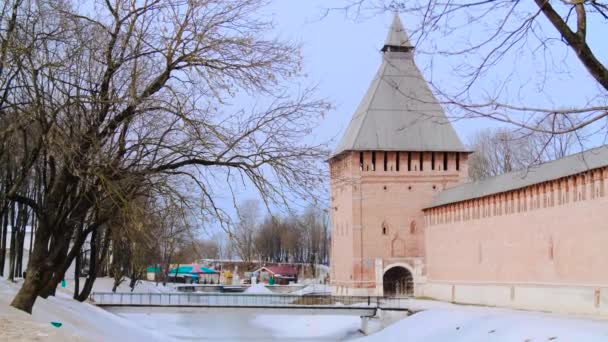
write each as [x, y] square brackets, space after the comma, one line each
[398, 151]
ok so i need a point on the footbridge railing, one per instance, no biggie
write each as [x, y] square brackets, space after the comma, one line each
[248, 300]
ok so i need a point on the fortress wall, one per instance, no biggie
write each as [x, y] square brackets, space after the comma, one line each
[540, 254]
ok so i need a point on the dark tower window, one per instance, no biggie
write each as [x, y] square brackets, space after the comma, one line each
[361, 161]
[397, 161]
[409, 161]
[385, 161]
[457, 161]
[373, 160]
[432, 160]
[421, 161]
[445, 161]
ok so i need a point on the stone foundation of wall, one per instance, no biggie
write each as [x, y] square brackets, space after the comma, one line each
[566, 299]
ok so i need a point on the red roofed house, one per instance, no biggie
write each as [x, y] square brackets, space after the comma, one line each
[282, 274]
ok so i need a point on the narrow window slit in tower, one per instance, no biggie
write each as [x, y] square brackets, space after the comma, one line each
[432, 160]
[361, 161]
[385, 161]
[373, 160]
[397, 161]
[409, 161]
[421, 161]
[445, 161]
[457, 161]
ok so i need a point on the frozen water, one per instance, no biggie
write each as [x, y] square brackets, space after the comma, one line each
[242, 324]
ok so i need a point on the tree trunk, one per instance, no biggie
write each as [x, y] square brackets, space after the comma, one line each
[24, 218]
[39, 270]
[3, 246]
[27, 294]
[86, 288]
[156, 273]
[94, 262]
[12, 254]
[133, 282]
[19, 257]
[32, 234]
[77, 276]
[60, 265]
[66, 259]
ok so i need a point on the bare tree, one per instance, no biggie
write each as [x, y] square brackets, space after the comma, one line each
[293, 238]
[246, 228]
[173, 232]
[207, 249]
[503, 150]
[223, 243]
[312, 222]
[499, 151]
[129, 102]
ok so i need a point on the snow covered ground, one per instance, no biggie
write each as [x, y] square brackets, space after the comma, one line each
[105, 284]
[313, 289]
[446, 322]
[258, 289]
[80, 321]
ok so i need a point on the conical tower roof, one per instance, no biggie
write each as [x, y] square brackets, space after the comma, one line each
[399, 112]
[397, 37]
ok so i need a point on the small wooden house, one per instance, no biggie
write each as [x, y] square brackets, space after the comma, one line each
[282, 274]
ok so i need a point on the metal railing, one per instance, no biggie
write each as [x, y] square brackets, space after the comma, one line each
[241, 300]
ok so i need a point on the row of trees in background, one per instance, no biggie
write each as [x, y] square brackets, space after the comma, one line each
[116, 131]
[297, 238]
[502, 150]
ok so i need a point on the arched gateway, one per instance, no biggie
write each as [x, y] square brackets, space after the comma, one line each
[398, 281]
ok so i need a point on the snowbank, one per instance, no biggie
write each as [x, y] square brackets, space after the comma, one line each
[105, 284]
[80, 321]
[469, 324]
[313, 289]
[18, 326]
[258, 288]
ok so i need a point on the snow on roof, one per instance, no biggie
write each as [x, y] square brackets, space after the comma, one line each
[553, 170]
[281, 269]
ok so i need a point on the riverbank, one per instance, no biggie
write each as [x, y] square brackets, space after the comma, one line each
[79, 321]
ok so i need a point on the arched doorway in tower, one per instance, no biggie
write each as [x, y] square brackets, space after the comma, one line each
[398, 281]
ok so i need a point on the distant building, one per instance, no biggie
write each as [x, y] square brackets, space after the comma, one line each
[152, 271]
[282, 274]
[406, 222]
[193, 274]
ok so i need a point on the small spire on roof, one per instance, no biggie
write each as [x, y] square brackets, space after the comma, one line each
[397, 39]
